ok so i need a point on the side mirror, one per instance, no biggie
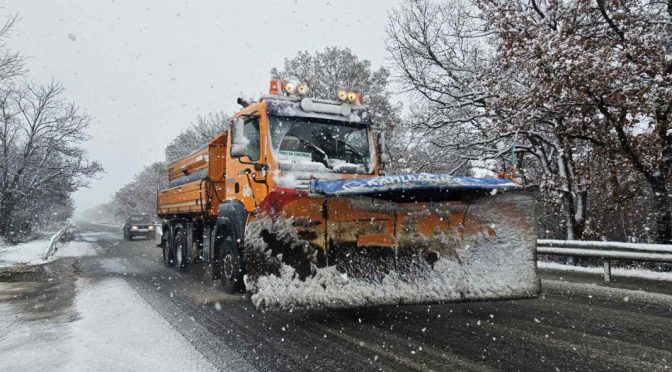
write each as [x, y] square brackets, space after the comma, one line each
[382, 149]
[238, 142]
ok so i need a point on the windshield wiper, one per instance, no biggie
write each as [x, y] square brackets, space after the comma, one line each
[351, 147]
[325, 158]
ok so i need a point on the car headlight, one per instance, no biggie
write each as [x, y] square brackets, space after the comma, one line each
[151, 227]
[134, 228]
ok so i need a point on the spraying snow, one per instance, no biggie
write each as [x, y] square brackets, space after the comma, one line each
[499, 266]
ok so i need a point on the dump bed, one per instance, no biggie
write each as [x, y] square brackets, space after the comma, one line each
[192, 181]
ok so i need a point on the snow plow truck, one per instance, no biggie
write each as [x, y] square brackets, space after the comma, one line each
[291, 204]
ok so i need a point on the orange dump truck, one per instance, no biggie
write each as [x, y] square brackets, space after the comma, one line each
[291, 204]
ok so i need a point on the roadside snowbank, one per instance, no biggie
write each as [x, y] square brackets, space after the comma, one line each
[109, 328]
[26, 253]
[627, 273]
[31, 253]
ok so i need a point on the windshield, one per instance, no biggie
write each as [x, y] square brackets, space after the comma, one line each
[320, 144]
[138, 219]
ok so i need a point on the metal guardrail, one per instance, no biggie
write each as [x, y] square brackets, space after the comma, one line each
[55, 239]
[607, 251]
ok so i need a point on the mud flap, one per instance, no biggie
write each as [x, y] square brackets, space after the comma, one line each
[479, 249]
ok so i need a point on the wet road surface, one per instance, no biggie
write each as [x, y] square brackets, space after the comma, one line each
[574, 325]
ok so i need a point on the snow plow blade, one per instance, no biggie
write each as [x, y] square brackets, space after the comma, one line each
[408, 244]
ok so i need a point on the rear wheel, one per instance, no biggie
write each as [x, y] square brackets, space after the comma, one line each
[231, 266]
[167, 250]
[181, 249]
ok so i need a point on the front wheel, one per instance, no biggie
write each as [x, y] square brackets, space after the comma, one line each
[231, 266]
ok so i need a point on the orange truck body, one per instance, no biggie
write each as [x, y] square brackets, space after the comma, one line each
[279, 231]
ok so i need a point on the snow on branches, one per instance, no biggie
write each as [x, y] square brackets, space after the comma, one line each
[548, 86]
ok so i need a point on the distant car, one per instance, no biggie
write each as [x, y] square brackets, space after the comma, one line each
[139, 225]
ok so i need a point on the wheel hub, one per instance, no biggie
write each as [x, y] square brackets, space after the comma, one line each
[178, 259]
[227, 266]
[166, 250]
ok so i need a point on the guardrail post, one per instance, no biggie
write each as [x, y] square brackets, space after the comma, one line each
[607, 270]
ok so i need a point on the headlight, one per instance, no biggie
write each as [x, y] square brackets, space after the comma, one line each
[342, 95]
[290, 87]
[134, 228]
[302, 89]
[151, 227]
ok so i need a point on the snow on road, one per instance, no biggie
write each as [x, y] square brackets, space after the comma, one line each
[95, 325]
[119, 329]
[75, 249]
[93, 236]
[111, 329]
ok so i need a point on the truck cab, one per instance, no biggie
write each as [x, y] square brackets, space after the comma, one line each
[285, 142]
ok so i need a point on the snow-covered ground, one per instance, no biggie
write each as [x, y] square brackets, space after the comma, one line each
[94, 326]
[26, 253]
[31, 253]
[111, 329]
[616, 272]
[118, 329]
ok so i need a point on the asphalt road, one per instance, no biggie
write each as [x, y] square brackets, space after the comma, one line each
[574, 325]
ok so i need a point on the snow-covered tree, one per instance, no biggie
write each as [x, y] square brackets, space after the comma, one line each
[548, 86]
[445, 54]
[41, 158]
[598, 72]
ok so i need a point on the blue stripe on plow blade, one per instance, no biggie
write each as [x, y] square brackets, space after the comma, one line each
[408, 182]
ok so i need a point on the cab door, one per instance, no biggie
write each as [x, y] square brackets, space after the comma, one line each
[243, 182]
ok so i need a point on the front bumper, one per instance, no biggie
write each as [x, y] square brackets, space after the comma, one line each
[143, 232]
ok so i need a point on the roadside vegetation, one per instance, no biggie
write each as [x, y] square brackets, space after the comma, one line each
[42, 159]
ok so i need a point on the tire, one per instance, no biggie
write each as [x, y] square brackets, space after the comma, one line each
[125, 235]
[167, 251]
[231, 266]
[181, 249]
[152, 236]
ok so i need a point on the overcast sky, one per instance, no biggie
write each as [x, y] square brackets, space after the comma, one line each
[144, 69]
